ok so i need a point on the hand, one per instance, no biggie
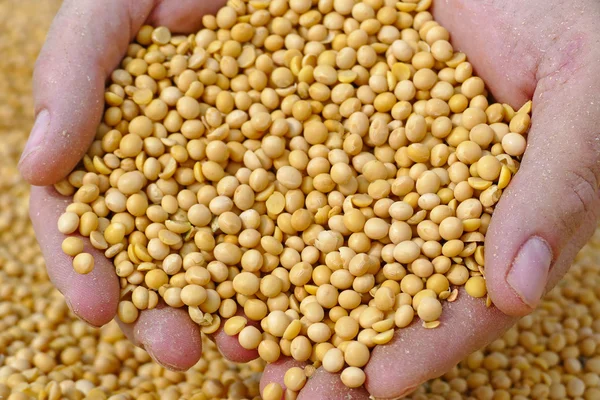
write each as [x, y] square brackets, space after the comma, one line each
[522, 50]
[538, 50]
[87, 41]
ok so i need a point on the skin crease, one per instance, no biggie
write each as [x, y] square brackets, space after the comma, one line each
[537, 49]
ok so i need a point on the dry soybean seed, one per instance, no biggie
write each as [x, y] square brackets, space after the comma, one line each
[383, 337]
[127, 312]
[269, 350]
[356, 354]
[429, 309]
[514, 144]
[68, 223]
[272, 391]
[476, 287]
[353, 377]
[234, 325]
[488, 167]
[156, 278]
[333, 361]
[416, 300]
[300, 348]
[246, 283]
[72, 246]
[346, 328]
[83, 263]
[294, 379]
[249, 337]
[161, 35]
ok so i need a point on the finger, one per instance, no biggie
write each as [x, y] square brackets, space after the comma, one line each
[274, 372]
[71, 72]
[92, 297]
[553, 197]
[320, 386]
[326, 386]
[230, 346]
[169, 336]
[416, 354]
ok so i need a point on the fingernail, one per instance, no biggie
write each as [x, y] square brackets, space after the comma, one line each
[38, 133]
[529, 272]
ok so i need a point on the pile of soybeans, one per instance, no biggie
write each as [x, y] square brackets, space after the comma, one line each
[45, 353]
[329, 169]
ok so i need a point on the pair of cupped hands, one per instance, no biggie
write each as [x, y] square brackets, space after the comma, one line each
[545, 50]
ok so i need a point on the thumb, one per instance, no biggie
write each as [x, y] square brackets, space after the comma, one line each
[551, 208]
[87, 40]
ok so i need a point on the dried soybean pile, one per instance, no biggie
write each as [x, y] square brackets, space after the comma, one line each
[329, 168]
[268, 166]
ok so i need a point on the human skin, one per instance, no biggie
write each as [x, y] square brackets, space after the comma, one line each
[539, 49]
